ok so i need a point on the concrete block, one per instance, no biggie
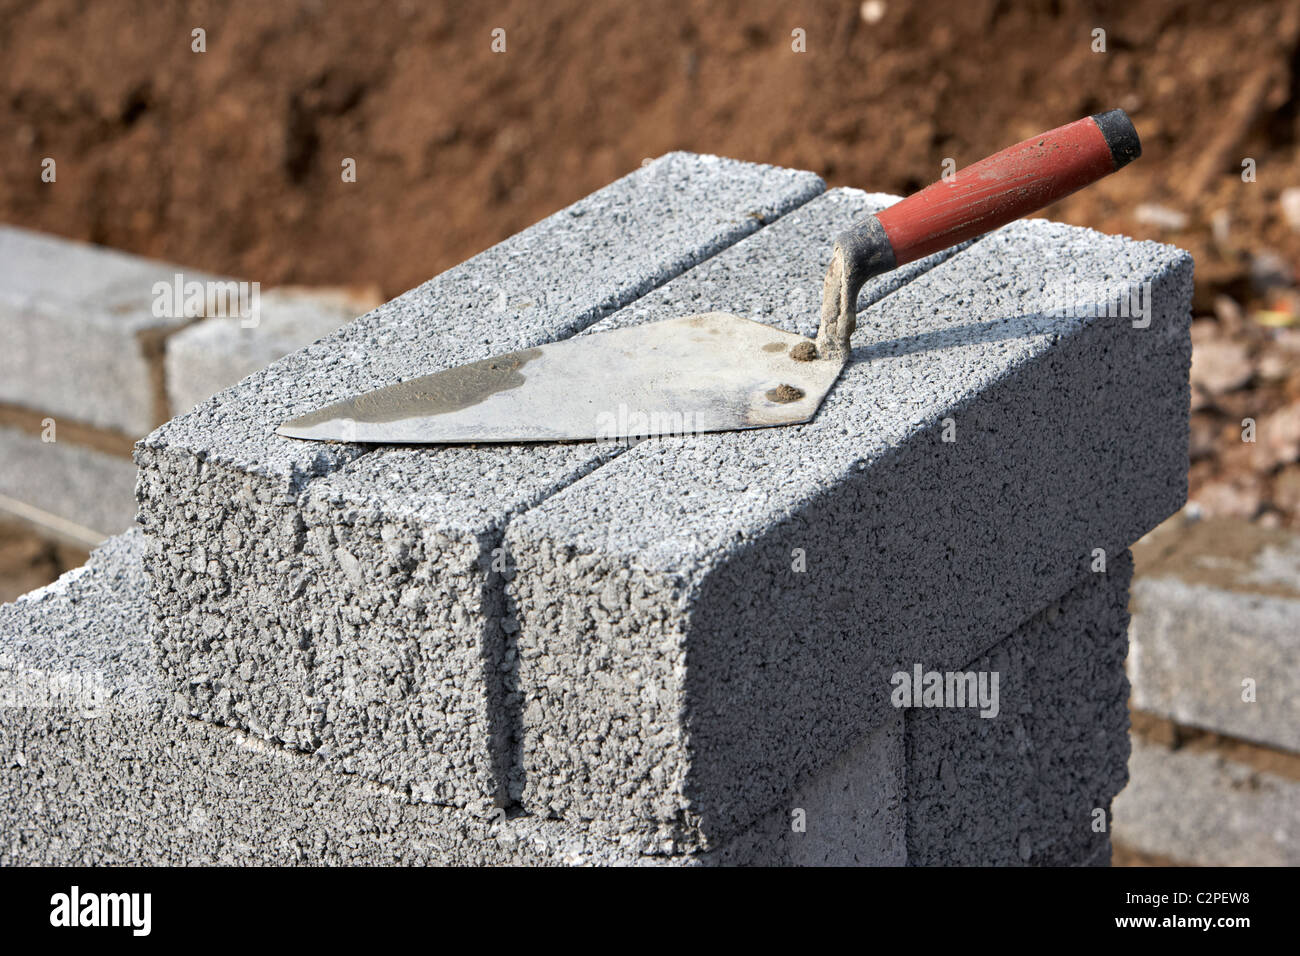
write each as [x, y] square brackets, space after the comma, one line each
[77, 493]
[80, 335]
[96, 768]
[403, 669]
[1215, 635]
[1033, 784]
[1194, 806]
[853, 813]
[677, 663]
[258, 564]
[217, 353]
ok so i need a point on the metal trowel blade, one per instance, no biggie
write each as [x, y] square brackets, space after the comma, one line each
[699, 373]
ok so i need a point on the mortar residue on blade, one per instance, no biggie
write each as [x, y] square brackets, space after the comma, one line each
[442, 392]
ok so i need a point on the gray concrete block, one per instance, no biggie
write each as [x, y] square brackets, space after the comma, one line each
[77, 322]
[263, 619]
[1194, 806]
[288, 635]
[1216, 641]
[400, 667]
[78, 493]
[675, 666]
[217, 353]
[853, 813]
[97, 768]
[1031, 785]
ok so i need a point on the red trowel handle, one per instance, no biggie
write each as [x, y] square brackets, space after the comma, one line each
[1019, 180]
[1013, 183]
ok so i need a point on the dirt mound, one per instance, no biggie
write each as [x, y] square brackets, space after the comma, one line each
[231, 159]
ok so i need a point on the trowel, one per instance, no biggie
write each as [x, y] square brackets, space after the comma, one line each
[718, 371]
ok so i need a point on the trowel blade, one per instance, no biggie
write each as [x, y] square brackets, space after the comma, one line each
[699, 373]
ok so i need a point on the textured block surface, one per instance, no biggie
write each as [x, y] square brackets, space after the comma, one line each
[89, 489]
[1032, 785]
[674, 633]
[403, 556]
[76, 321]
[365, 624]
[1216, 629]
[1194, 806]
[98, 768]
[676, 663]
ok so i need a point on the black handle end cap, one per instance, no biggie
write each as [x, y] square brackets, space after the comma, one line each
[1120, 136]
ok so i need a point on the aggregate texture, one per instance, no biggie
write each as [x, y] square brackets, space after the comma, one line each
[286, 606]
[704, 617]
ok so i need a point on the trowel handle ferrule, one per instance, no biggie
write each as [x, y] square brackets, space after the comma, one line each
[1015, 182]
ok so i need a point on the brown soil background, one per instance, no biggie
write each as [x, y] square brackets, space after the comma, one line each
[229, 160]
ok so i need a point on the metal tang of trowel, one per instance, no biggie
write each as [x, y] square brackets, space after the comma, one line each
[717, 371]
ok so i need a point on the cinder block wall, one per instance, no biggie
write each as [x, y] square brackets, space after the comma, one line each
[686, 650]
[93, 361]
[102, 768]
[1215, 665]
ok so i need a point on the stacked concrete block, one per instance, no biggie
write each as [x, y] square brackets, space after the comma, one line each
[1216, 630]
[407, 544]
[1032, 784]
[81, 349]
[659, 645]
[378, 580]
[676, 667]
[97, 767]
[80, 331]
[72, 492]
[1215, 663]
[97, 353]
